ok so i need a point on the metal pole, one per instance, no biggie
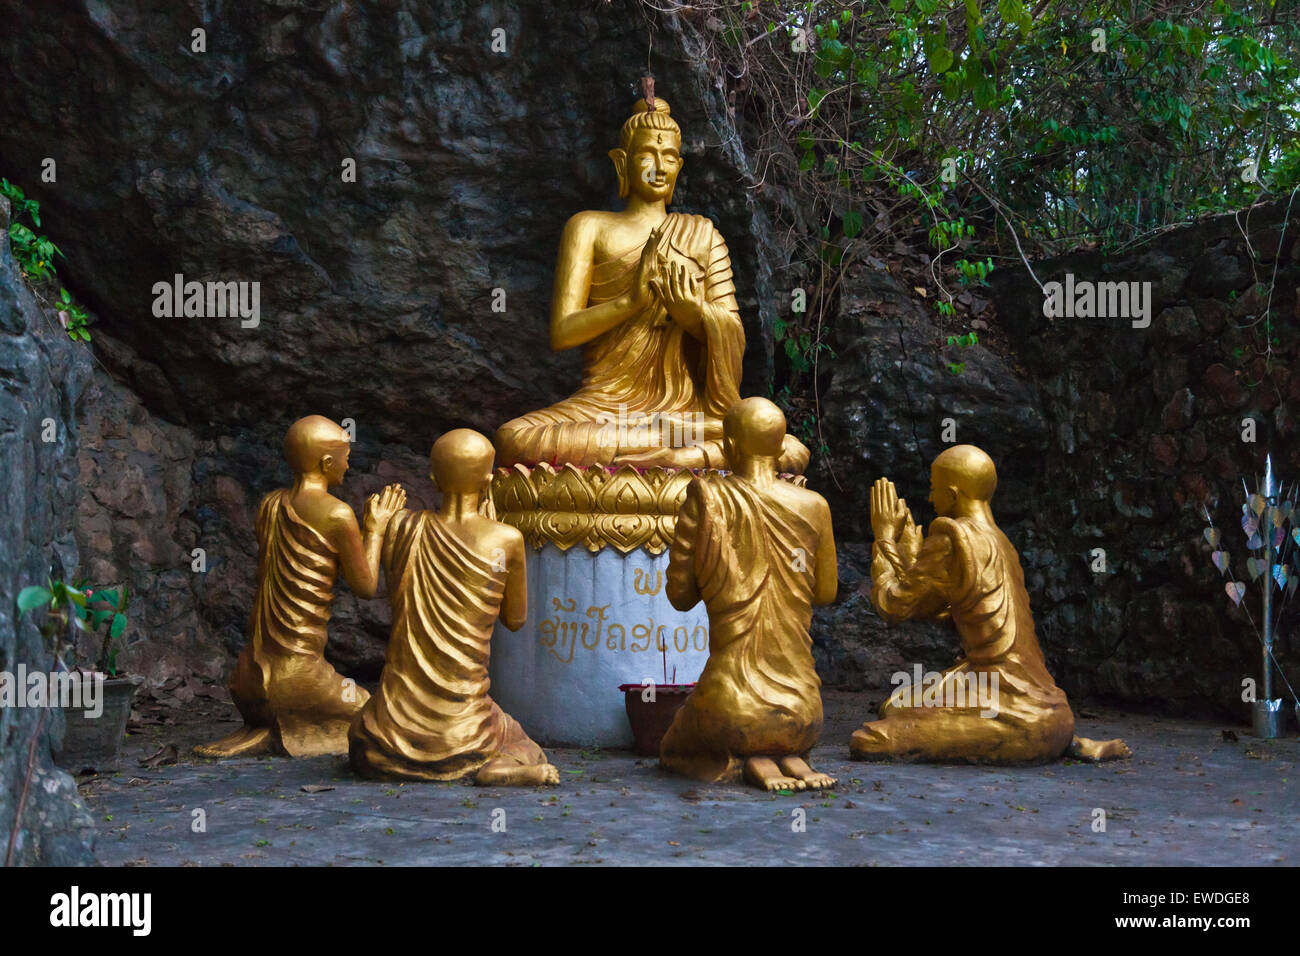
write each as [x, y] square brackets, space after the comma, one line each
[1268, 712]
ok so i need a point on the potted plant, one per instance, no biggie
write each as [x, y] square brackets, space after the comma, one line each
[651, 708]
[97, 715]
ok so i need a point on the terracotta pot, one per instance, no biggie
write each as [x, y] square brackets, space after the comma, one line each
[96, 742]
[650, 719]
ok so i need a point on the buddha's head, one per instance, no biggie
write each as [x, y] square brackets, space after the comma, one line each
[753, 428]
[649, 155]
[461, 462]
[961, 475]
[316, 445]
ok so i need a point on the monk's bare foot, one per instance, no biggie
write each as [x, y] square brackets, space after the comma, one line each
[503, 773]
[798, 767]
[1098, 750]
[244, 742]
[869, 743]
[762, 772]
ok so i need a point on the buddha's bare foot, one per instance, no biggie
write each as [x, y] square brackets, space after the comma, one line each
[244, 742]
[507, 773]
[798, 767]
[762, 772]
[687, 457]
[1098, 750]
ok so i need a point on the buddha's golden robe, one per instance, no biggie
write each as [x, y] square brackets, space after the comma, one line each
[759, 694]
[432, 718]
[972, 571]
[646, 365]
[282, 680]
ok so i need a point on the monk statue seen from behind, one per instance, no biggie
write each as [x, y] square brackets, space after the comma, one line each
[760, 553]
[292, 701]
[649, 297]
[450, 574]
[997, 704]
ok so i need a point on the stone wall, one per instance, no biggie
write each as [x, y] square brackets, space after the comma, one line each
[41, 375]
[1106, 436]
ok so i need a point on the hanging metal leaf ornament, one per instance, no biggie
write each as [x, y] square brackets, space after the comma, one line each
[1258, 504]
[1285, 509]
[1255, 542]
[1279, 535]
[1249, 525]
[1212, 536]
[1292, 581]
[1220, 559]
[1295, 533]
[1279, 575]
[1273, 518]
[1254, 567]
[1236, 591]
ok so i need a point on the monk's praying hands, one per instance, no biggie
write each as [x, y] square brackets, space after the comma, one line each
[380, 508]
[889, 514]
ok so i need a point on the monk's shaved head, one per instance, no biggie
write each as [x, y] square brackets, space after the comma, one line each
[968, 469]
[755, 427]
[311, 438]
[460, 461]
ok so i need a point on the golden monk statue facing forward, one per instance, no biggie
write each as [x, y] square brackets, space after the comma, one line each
[998, 704]
[450, 574]
[292, 701]
[648, 295]
[760, 553]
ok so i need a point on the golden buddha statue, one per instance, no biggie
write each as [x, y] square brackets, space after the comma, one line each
[649, 296]
[998, 704]
[450, 574]
[760, 553]
[292, 701]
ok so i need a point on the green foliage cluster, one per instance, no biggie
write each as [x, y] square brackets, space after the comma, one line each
[74, 607]
[35, 256]
[992, 130]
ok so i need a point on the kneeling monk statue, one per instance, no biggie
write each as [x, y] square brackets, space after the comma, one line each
[292, 701]
[760, 553]
[649, 296]
[450, 573]
[998, 704]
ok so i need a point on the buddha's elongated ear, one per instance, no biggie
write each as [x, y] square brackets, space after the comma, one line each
[619, 157]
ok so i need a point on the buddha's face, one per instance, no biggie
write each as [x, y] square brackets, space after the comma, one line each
[654, 158]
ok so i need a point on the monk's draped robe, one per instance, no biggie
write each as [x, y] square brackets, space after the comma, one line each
[648, 365]
[759, 694]
[432, 718]
[972, 571]
[282, 680]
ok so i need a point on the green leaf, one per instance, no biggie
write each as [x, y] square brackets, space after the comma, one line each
[119, 625]
[852, 223]
[30, 598]
[815, 97]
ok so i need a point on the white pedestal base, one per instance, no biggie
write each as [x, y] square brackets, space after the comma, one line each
[595, 621]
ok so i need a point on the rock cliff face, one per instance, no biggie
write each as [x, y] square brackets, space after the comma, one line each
[1106, 437]
[476, 131]
[44, 374]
